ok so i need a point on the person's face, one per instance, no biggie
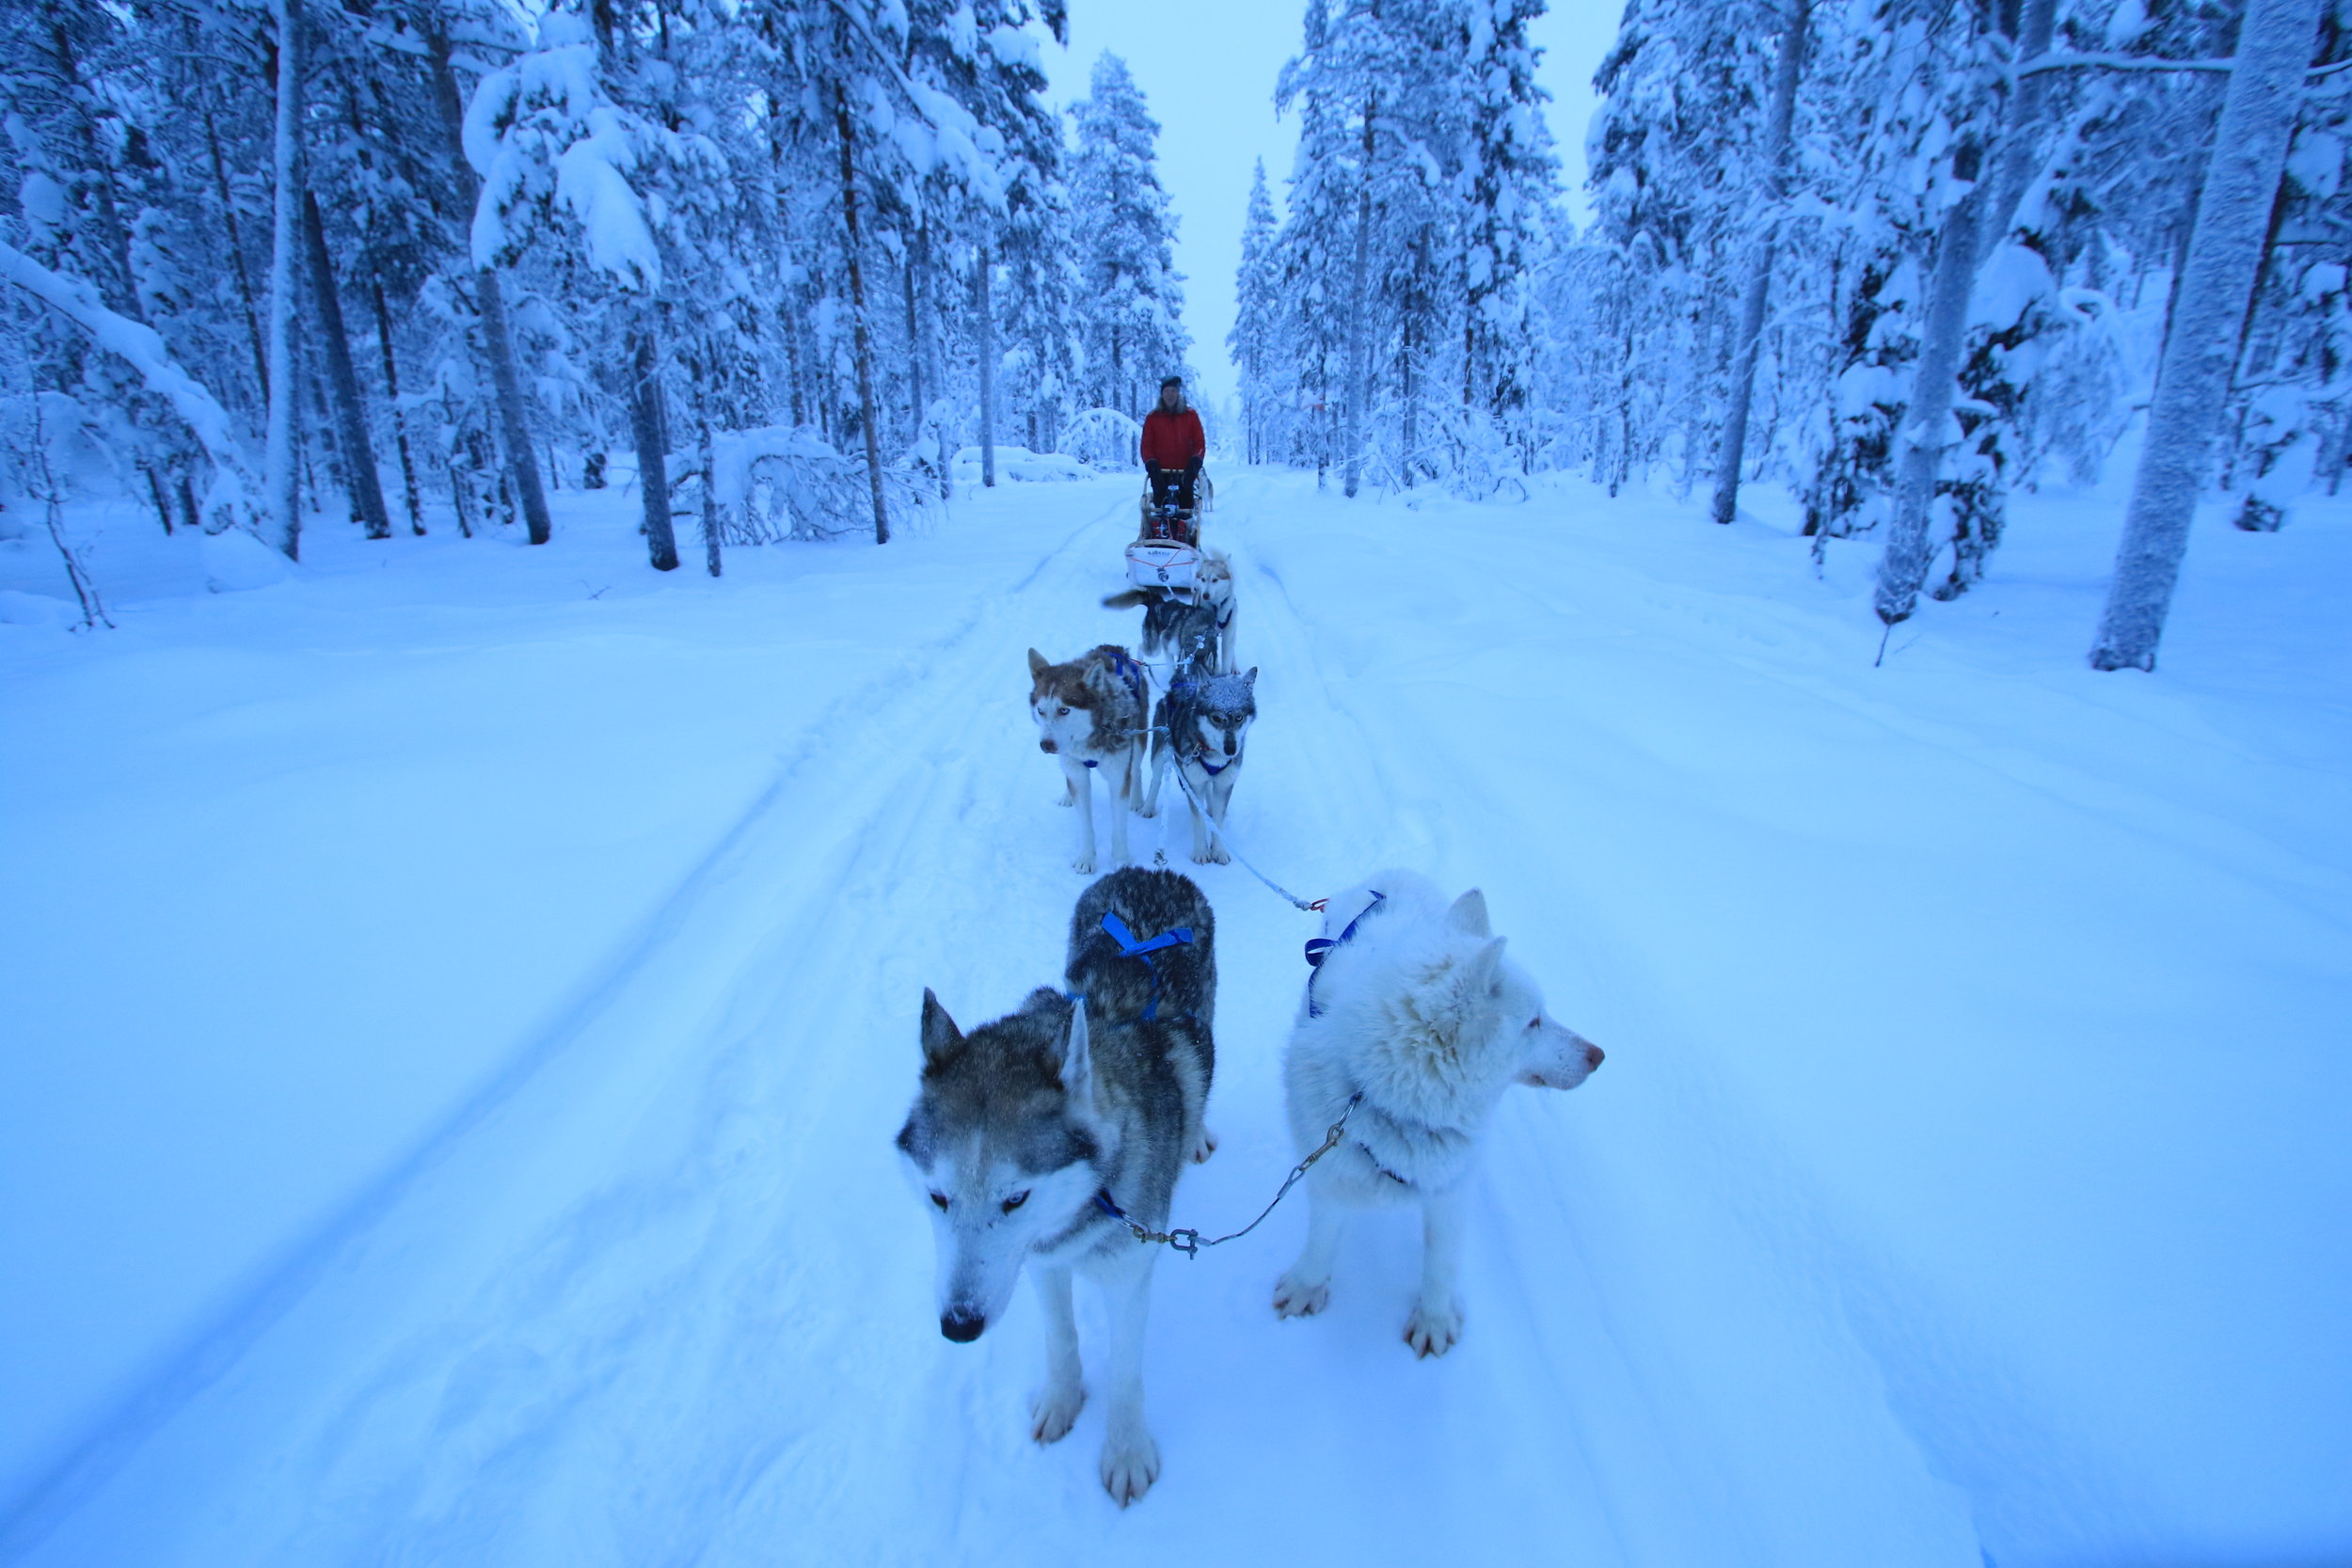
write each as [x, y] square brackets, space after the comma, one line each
[1170, 397]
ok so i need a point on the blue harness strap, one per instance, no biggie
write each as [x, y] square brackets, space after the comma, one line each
[1129, 948]
[1319, 948]
[1130, 672]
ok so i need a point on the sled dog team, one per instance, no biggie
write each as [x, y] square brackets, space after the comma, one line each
[1048, 1138]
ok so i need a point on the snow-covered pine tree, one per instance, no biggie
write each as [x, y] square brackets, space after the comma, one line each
[1132, 313]
[1255, 341]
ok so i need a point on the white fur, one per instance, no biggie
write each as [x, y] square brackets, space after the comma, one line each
[1423, 1015]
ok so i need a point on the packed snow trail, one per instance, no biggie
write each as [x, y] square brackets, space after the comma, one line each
[669, 1299]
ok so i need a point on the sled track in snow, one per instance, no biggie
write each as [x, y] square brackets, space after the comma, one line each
[883, 702]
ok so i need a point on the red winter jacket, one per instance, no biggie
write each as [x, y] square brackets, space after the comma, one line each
[1173, 440]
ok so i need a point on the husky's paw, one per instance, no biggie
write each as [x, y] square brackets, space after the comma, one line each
[1219, 856]
[1205, 856]
[1067, 800]
[1294, 1297]
[1206, 1146]
[1145, 808]
[1131, 1462]
[1083, 865]
[1430, 1332]
[1054, 1409]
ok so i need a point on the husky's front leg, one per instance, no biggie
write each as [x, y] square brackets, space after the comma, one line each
[1082, 795]
[1148, 803]
[1130, 1458]
[1306, 1289]
[1436, 1320]
[1057, 1405]
[1203, 851]
[1220, 800]
[1120, 783]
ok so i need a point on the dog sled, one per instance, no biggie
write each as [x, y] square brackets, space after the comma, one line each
[1167, 552]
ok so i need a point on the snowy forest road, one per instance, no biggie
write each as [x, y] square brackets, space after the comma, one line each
[667, 1298]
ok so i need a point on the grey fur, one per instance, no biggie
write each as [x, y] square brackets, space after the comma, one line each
[1182, 628]
[1019, 1125]
[1201, 726]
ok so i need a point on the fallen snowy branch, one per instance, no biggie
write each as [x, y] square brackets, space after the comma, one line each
[230, 500]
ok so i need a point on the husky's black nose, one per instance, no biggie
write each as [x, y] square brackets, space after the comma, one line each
[1593, 1057]
[960, 1325]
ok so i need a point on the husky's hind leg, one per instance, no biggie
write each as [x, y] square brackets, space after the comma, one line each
[1436, 1320]
[1057, 1402]
[1131, 1457]
[1306, 1289]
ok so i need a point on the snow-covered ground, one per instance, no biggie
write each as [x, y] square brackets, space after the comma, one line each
[460, 999]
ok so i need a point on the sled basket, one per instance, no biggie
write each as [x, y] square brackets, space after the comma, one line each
[1162, 563]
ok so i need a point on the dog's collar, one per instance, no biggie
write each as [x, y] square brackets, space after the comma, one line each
[1319, 948]
[1379, 1166]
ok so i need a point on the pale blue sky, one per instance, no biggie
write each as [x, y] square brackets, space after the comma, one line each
[1207, 68]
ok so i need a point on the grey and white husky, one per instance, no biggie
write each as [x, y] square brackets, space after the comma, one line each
[1089, 716]
[1036, 1139]
[1195, 628]
[1414, 1014]
[1201, 726]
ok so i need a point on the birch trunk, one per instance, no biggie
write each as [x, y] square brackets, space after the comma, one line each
[988, 373]
[857, 316]
[280, 477]
[1359, 350]
[342, 381]
[522, 464]
[653, 463]
[2274, 49]
[1757, 295]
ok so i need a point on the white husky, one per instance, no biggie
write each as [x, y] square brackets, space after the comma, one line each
[1415, 1015]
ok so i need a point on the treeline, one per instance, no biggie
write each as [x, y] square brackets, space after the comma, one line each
[1899, 255]
[386, 258]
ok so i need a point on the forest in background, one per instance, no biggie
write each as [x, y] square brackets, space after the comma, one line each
[291, 261]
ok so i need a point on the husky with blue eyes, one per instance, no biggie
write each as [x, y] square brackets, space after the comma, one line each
[1038, 1140]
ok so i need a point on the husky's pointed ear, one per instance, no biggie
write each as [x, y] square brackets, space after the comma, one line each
[1038, 664]
[1077, 1058]
[1485, 973]
[1250, 680]
[941, 1038]
[1468, 914]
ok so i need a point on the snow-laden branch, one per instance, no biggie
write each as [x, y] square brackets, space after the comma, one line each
[230, 498]
[2149, 62]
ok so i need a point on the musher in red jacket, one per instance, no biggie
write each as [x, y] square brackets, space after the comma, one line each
[1172, 447]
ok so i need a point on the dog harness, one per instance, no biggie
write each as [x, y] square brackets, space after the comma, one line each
[1130, 672]
[1319, 948]
[1129, 948]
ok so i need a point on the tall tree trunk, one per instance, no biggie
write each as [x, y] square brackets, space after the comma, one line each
[236, 254]
[281, 475]
[522, 463]
[857, 319]
[916, 407]
[988, 370]
[648, 424]
[391, 392]
[342, 382]
[1359, 345]
[1975, 224]
[1927, 419]
[1759, 294]
[2019, 153]
[710, 500]
[2274, 49]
